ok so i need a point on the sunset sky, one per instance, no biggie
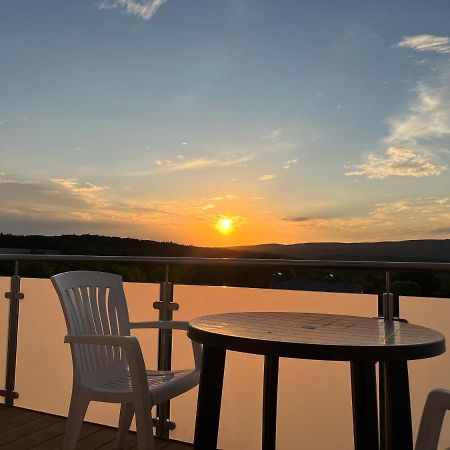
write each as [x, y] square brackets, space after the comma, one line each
[226, 122]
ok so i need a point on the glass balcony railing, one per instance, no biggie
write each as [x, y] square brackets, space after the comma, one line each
[314, 396]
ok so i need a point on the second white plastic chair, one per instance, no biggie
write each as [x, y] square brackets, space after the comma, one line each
[437, 404]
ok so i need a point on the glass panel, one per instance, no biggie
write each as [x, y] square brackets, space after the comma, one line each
[314, 396]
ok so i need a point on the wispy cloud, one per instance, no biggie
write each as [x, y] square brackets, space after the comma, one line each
[223, 197]
[416, 137]
[274, 134]
[441, 231]
[428, 115]
[267, 177]
[144, 9]
[69, 198]
[412, 217]
[72, 206]
[288, 164]
[426, 43]
[192, 164]
[183, 164]
[297, 219]
[398, 161]
[207, 206]
[74, 186]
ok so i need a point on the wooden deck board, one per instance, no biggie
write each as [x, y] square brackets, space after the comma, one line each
[22, 429]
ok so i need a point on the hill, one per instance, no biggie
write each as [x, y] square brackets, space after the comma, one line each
[436, 250]
[407, 283]
[88, 244]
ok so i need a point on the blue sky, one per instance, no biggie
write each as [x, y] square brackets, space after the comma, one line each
[299, 121]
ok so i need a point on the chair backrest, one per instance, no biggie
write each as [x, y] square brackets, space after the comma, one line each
[93, 304]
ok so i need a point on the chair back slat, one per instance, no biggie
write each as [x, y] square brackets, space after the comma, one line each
[76, 326]
[88, 295]
[93, 294]
[102, 299]
[86, 326]
[113, 322]
[93, 304]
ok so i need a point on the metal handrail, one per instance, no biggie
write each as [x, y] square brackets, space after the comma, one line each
[250, 262]
[166, 305]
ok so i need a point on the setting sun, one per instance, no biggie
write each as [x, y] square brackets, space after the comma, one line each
[224, 225]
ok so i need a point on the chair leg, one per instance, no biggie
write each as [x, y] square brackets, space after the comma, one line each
[125, 418]
[78, 407]
[144, 427]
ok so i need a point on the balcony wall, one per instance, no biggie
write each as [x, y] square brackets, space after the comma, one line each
[314, 396]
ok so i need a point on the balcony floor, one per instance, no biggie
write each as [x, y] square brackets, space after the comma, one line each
[22, 429]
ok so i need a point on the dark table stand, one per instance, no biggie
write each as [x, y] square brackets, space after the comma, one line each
[360, 340]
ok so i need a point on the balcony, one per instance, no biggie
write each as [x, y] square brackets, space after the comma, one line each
[22, 429]
[314, 396]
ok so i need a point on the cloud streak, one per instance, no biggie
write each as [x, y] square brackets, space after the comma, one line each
[401, 162]
[299, 219]
[416, 137]
[426, 43]
[428, 116]
[412, 217]
[267, 177]
[274, 134]
[167, 165]
[288, 164]
[146, 9]
[68, 200]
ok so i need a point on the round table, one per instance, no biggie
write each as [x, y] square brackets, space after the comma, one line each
[362, 341]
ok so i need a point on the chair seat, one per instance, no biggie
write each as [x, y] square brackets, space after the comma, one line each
[162, 385]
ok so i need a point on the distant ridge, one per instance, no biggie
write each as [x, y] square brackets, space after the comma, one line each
[437, 250]
[403, 282]
[89, 244]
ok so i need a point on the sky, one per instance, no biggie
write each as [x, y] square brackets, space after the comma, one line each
[228, 122]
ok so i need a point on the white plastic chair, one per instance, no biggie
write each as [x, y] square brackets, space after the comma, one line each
[108, 365]
[438, 402]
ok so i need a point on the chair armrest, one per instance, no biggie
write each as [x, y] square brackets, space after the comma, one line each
[438, 402]
[114, 341]
[161, 324]
[133, 356]
[172, 325]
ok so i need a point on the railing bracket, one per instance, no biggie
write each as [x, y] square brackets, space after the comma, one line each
[8, 394]
[168, 425]
[166, 306]
[12, 296]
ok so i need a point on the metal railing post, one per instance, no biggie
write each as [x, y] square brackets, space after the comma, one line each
[389, 309]
[388, 301]
[14, 295]
[166, 307]
[385, 310]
